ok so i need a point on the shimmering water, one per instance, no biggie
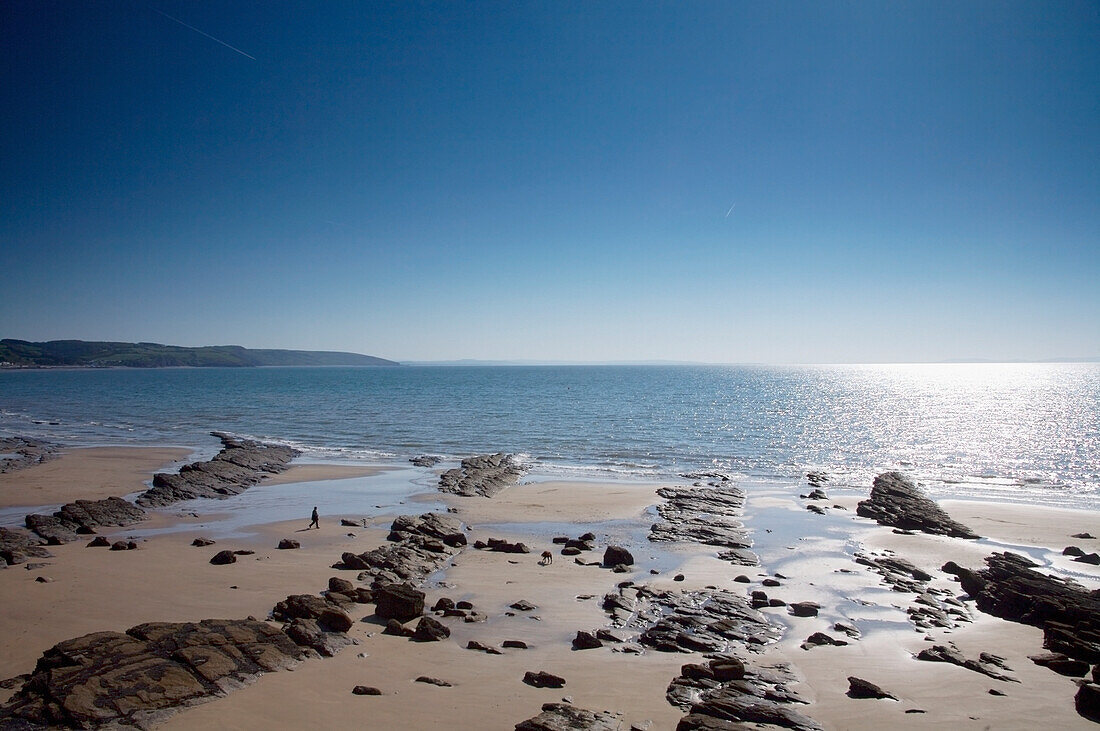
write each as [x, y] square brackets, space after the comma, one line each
[1004, 431]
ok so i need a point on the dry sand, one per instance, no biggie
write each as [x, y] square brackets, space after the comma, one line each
[169, 580]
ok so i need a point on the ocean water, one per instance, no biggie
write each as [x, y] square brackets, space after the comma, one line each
[1017, 432]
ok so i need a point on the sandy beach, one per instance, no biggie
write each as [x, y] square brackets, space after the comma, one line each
[167, 579]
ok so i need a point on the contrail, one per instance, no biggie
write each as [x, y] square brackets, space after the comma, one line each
[216, 40]
[730, 210]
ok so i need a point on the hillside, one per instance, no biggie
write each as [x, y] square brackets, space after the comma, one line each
[154, 355]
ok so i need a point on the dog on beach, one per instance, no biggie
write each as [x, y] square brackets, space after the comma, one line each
[547, 558]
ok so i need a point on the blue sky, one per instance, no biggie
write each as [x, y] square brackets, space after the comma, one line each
[551, 180]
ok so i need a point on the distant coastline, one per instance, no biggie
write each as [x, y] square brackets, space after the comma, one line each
[18, 354]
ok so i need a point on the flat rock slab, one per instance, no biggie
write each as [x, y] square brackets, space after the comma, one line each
[83, 517]
[484, 475]
[16, 546]
[141, 677]
[241, 464]
[24, 452]
[897, 502]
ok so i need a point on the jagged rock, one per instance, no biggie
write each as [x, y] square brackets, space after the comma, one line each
[98, 542]
[141, 677]
[418, 546]
[430, 630]
[23, 452]
[523, 606]
[817, 478]
[484, 475]
[398, 601]
[1087, 701]
[202, 542]
[16, 546]
[426, 460]
[748, 709]
[239, 465]
[1012, 589]
[586, 641]
[395, 628]
[223, 557]
[705, 515]
[940, 653]
[309, 633]
[1072, 551]
[705, 621]
[501, 546]
[543, 679]
[896, 501]
[1061, 664]
[860, 688]
[82, 516]
[1089, 558]
[289, 543]
[616, 555]
[366, 690]
[1084, 536]
[566, 717]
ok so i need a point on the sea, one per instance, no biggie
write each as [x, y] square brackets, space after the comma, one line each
[1005, 432]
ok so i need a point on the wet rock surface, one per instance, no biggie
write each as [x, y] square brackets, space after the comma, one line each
[22, 452]
[708, 515]
[951, 655]
[240, 464]
[933, 607]
[82, 518]
[418, 545]
[136, 679]
[483, 475]
[566, 717]
[897, 502]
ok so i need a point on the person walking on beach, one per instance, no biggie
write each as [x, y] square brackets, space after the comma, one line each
[315, 522]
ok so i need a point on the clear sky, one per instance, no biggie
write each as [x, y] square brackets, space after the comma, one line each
[711, 181]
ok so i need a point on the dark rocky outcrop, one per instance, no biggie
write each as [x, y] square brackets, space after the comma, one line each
[860, 688]
[1087, 701]
[314, 622]
[897, 502]
[418, 546]
[240, 464]
[707, 515]
[16, 546]
[543, 679]
[484, 475]
[942, 653]
[426, 460]
[83, 517]
[933, 607]
[616, 556]
[139, 678]
[288, 544]
[398, 601]
[430, 630]
[566, 717]
[222, 558]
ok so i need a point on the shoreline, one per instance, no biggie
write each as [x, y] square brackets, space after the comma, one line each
[169, 580]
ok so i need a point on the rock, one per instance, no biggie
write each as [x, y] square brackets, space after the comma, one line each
[43, 579]
[342, 586]
[570, 551]
[223, 557]
[309, 633]
[17, 545]
[678, 577]
[742, 579]
[130, 680]
[941, 653]
[705, 515]
[1072, 551]
[305, 606]
[240, 464]
[567, 717]
[1012, 589]
[202, 542]
[22, 452]
[616, 555]
[366, 690]
[433, 681]
[860, 688]
[820, 638]
[514, 644]
[487, 649]
[523, 606]
[430, 630]
[484, 475]
[98, 542]
[817, 478]
[289, 543]
[543, 679]
[418, 546]
[346, 523]
[1087, 701]
[426, 460]
[896, 501]
[398, 601]
[1083, 536]
[83, 516]
[586, 641]
[333, 619]
[803, 609]
[395, 628]
[1089, 558]
[1061, 664]
[123, 546]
